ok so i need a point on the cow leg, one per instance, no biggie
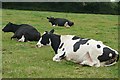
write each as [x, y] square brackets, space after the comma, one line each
[53, 25]
[94, 59]
[88, 60]
[59, 56]
[26, 38]
[56, 58]
[97, 63]
[22, 39]
[66, 24]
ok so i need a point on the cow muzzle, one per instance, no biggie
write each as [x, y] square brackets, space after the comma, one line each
[112, 61]
[2, 29]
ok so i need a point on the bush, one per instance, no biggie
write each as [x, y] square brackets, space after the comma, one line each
[76, 7]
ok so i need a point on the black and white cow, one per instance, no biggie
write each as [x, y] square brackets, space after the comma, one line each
[23, 32]
[79, 50]
[60, 22]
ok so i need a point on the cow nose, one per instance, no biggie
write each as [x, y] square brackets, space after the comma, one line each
[2, 29]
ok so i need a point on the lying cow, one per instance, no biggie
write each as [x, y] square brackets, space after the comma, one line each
[23, 32]
[79, 50]
[60, 22]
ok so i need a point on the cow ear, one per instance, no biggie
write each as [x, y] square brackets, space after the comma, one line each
[46, 32]
[52, 31]
[48, 18]
[10, 23]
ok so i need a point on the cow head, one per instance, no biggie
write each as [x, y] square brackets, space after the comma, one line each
[105, 54]
[51, 19]
[8, 27]
[70, 23]
[102, 54]
[109, 56]
[45, 39]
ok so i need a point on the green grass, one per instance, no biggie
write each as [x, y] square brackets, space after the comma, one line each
[0, 43]
[24, 60]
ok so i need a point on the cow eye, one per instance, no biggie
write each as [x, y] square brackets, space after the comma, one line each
[98, 46]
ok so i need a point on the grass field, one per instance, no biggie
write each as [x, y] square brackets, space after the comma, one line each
[24, 60]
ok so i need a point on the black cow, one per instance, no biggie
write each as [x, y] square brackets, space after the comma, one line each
[22, 32]
[79, 50]
[60, 22]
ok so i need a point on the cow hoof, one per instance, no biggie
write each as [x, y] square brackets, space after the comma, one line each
[56, 59]
[20, 41]
[67, 26]
[97, 65]
[39, 45]
[87, 63]
[53, 25]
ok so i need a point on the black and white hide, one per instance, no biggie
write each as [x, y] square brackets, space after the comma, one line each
[60, 22]
[22, 32]
[79, 50]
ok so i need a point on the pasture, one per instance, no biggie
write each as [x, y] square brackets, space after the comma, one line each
[24, 60]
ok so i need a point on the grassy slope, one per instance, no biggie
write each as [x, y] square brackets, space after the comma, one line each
[23, 60]
[0, 43]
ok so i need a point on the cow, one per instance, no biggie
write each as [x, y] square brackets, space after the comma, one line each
[60, 22]
[22, 32]
[83, 51]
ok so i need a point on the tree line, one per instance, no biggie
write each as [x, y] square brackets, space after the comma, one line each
[72, 7]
